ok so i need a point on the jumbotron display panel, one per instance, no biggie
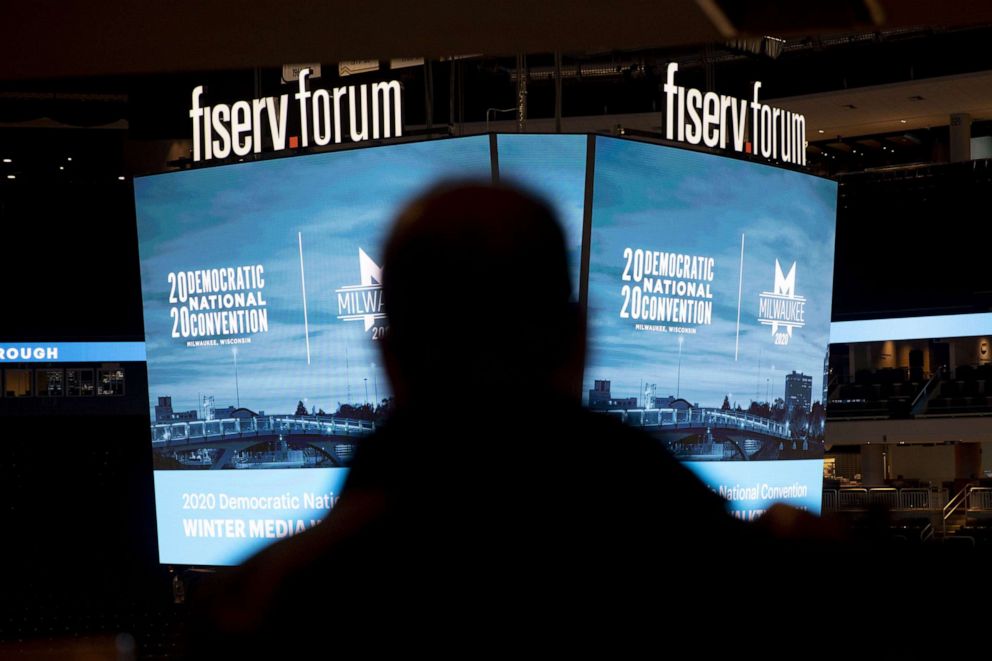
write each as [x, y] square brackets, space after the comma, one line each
[262, 308]
[709, 315]
[708, 305]
[552, 166]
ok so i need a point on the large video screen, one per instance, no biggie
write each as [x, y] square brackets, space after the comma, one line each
[262, 309]
[708, 305]
[709, 315]
[553, 167]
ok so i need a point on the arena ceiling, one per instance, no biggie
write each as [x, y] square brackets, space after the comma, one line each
[58, 38]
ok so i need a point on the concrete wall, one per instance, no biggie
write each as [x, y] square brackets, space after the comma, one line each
[933, 463]
[973, 350]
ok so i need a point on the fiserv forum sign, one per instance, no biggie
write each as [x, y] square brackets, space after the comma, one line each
[691, 116]
[352, 113]
[721, 121]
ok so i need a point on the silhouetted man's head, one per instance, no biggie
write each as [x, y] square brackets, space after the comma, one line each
[479, 299]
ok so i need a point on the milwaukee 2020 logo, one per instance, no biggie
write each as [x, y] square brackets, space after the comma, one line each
[782, 308]
[363, 302]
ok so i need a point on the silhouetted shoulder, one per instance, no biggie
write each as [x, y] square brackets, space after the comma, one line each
[563, 507]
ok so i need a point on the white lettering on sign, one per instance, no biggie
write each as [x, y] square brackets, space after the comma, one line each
[375, 111]
[29, 353]
[721, 121]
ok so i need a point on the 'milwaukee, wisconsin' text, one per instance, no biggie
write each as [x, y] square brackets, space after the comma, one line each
[667, 286]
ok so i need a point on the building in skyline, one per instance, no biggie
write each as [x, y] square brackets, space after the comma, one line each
[600, 394]
[826, 376]
[163, 410]
[798, 391]
[601, 399]
[664, 402]
[165, 413]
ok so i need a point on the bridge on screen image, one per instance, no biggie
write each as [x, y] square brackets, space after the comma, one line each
[710, 434]
[335, 438]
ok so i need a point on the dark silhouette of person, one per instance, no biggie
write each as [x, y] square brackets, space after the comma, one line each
[491, 508]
